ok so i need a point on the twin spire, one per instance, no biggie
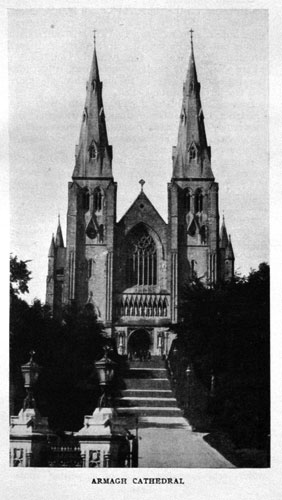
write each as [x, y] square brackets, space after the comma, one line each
[93, 153]
[191, 157]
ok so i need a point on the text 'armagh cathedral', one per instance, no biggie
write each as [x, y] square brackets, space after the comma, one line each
[133, 271]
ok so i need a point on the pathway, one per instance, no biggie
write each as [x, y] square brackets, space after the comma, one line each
[165, 436]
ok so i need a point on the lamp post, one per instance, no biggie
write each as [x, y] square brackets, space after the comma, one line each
[29, 431]
[174, 363]
[105, 369]
[161, 342]
[30, 372]
[121, 342]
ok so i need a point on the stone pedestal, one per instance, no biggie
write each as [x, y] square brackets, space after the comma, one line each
[102, 442]
[28, 439]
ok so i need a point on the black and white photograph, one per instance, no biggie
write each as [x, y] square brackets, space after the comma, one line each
[139, 330]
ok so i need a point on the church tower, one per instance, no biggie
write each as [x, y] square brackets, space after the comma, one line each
[91, 209]
[133, 271]
[192, 197]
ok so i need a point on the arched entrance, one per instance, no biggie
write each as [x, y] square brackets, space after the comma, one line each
[139, 343]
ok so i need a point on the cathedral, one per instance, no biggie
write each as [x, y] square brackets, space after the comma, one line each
[133, 271]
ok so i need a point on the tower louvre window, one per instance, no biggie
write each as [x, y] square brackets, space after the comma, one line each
[85, 200]
[192, 153]
[198, 201]
[141, 259]
[187, 200]
[98, 200]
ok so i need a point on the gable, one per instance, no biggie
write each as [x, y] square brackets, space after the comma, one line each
[142, 211]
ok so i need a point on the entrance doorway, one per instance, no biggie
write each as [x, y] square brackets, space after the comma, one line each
[139, 343]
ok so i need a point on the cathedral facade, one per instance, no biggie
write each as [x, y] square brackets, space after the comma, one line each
[134, 270]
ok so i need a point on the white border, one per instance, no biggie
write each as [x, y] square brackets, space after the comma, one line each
[199, 483]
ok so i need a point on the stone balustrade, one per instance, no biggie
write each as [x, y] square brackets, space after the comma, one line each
[143, 305]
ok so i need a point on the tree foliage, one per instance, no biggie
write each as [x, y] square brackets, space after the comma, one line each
[19, 275]
[67, 388]
[225, 332]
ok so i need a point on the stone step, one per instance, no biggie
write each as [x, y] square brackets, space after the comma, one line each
[146, 373]
[153, 363]
[176, 422]
[148, 393]
[148, 402]
[147, 383]
[149, 411]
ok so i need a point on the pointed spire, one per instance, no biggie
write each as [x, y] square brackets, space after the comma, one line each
[191, 156]
[51, 252]
[223, 235]
[93, 153]
[229, 250]
[59, 242]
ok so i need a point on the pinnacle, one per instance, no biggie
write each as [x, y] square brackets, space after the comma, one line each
[59, 241]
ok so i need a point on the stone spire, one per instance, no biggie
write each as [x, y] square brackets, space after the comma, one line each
[59, 242]
[93, 154]
[223, 235]
[191, 156]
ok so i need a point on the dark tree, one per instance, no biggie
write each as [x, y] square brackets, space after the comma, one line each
[19, 275]
[67, 388]
[225, 335]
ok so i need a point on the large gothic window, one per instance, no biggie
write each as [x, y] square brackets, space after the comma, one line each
[141, 259]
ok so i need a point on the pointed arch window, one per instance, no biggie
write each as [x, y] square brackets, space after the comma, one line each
[90, 267]
[192, 153]
[92, 152]
[85, 199]
[98, 200]
[203, 234]
[187, 200]
[93, 83]
[141, 259]
[198, 201]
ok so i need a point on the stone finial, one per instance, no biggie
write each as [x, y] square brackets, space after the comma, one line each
[142, 182]
[191, 34]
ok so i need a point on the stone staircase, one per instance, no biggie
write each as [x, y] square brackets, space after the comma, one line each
[148, 395]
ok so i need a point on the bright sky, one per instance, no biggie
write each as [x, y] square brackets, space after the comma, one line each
[143, 57]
